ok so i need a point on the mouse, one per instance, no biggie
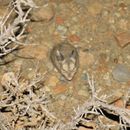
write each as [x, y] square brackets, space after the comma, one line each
[65, 58]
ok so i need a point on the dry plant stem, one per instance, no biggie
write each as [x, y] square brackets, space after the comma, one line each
[9, 40]
[31, 104]
[26, 104]
[94, 106]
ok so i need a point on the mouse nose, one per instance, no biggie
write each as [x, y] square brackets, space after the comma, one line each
[68, 66]
[69, 75]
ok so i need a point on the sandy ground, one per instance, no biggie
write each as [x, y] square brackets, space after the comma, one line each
[99, 29]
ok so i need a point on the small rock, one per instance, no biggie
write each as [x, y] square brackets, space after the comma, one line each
[44, 13]
[123, 39]
[82, 93]
[53, 80]
[84, 76]
[123, 24]
[60, 88]
[87, 59]
[34, 51]
[61, 29]
[59, 20]
[119, 103]
[121, 73]
[106, 78]
[95, 8]
[74, 38]
[117, 95]
[63, 97]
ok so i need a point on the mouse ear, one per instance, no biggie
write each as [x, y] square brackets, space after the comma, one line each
[73, 53]
[59, 56]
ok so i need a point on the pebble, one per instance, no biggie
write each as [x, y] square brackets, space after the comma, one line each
[60, 88]
[95, 8]
[53, 80]
[121, 73]
[63, 97]
[59, 20]
[74, 38]
[84, 76]
[82, 93]
[61, 29]
[34, 51]
[123, 39]
[123, 24]
[117, 95]
[44, 13]
[87, 59]
[106, 78]
[119, 103]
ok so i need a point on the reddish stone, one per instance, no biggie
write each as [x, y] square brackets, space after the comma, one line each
[119, 103]
[74, 38]
[59, 20]
[123, 39]
[60, 88]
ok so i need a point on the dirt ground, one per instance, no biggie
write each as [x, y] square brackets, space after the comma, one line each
[99, 29]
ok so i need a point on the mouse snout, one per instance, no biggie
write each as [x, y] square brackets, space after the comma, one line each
[68, 66]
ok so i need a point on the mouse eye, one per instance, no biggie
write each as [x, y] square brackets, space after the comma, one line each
[59, 56]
